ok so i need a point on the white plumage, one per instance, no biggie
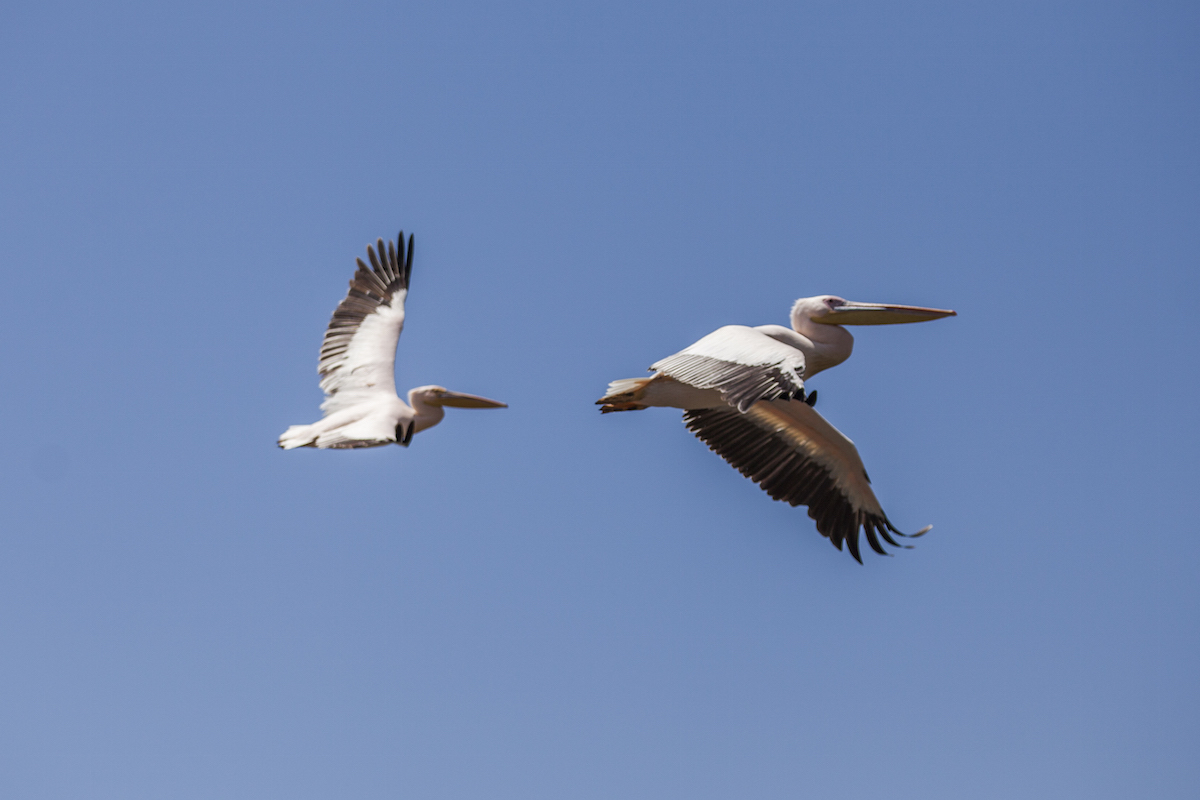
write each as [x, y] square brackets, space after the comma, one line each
[357, 364]
[743, 393]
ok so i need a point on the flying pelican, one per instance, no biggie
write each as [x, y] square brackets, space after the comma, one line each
[742, 392]
[358, 363]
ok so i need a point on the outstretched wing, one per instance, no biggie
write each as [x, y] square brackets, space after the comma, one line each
[796, 456]
[744, 364]
[358, 354]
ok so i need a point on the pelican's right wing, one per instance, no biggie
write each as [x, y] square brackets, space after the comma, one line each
[796, 456]
[744, 364]
[358, 354]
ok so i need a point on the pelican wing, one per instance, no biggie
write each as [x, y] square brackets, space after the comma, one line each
[794, 454]
[744, 364]
[358, 354]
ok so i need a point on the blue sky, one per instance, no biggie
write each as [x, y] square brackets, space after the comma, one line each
[540, 602]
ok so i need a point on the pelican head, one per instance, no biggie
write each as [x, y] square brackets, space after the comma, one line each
[441, 396]
[829, 309]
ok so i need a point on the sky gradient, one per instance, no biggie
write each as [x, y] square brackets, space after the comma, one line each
[540, 602]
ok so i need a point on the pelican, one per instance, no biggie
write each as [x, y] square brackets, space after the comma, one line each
[358, 364]
[742, 393]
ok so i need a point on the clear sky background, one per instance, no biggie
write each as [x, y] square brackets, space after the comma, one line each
[541, 602]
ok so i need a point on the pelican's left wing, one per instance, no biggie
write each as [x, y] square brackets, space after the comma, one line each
[358, 354]
[743, 363]
[794, 454]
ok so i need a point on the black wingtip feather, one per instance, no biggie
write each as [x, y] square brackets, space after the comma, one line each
[884, 532]
[407, 261]
[873, 540]
[898, 532]
[852, 545]
[375, 259]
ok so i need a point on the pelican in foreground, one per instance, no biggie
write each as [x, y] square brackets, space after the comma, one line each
[358, 362]
[742, 393]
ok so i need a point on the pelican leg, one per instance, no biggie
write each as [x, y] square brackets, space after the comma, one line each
[404, 435]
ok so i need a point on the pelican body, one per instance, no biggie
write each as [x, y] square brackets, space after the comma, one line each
[358, 364]
[742, 391]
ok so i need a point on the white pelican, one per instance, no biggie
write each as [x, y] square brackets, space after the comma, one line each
[358, 362]
[742, 392]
